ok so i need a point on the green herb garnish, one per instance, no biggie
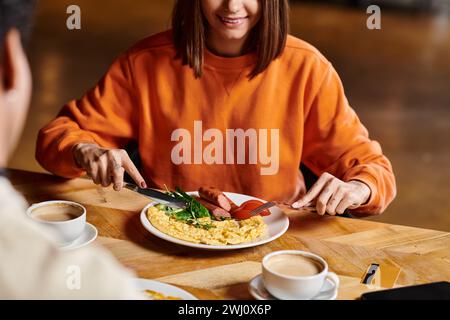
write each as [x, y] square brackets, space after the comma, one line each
[190, 215]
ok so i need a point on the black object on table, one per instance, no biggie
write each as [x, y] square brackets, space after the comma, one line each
[429, 291]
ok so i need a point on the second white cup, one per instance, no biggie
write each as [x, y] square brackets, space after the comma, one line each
[296, 275]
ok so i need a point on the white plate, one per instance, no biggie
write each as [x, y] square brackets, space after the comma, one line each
[89, 234]
[277, 224]
[259, 292]
[163, 288]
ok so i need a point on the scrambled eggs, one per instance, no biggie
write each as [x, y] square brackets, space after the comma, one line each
[153, 295]
[222, 233]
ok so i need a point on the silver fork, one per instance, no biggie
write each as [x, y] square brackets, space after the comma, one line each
[263, 207]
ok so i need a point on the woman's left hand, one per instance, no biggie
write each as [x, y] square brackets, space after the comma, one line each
[334, 196]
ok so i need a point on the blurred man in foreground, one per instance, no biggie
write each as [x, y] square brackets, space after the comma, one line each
[32, 266]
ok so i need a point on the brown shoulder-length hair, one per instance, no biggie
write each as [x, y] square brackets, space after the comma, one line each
[267, 39]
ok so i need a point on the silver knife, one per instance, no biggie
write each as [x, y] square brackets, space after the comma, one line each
[263, 207]
[155, 194]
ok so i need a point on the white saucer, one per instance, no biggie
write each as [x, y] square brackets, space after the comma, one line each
[259, 292]
[89, 234]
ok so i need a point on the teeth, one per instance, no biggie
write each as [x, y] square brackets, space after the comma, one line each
[233, 21]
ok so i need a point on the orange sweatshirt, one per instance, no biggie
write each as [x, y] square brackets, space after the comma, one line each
[223, 130]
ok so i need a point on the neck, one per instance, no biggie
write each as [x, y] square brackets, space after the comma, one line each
[227, 48]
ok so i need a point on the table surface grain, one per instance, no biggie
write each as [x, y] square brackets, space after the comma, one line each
[348, 245]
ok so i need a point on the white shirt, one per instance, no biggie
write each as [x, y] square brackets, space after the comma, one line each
[32, 266]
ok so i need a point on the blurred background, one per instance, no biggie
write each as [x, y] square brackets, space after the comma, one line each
[397, 79]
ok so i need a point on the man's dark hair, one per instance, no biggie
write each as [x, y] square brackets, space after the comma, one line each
[15, 14]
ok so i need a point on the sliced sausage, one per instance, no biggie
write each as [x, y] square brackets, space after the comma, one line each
[215, 196]
[233, 205]
[217, 212]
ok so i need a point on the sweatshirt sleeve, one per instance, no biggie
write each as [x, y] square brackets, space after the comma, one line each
[336, 142]
[106, 115]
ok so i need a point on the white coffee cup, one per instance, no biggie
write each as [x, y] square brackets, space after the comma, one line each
[296, 287]
[68, 229]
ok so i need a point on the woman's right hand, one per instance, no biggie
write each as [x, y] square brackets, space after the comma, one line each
[106, 166]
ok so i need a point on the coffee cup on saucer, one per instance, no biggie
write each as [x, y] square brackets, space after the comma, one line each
[66, 218]
[296, 275]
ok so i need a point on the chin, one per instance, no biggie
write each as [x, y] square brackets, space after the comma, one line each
[234, 35]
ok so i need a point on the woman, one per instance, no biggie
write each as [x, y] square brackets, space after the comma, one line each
[227, 99]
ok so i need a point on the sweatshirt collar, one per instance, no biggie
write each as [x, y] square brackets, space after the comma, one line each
[229, 63]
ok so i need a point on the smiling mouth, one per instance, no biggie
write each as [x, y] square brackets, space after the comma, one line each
[232, 21]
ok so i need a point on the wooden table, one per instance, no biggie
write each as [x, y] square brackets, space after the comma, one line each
[348, 245]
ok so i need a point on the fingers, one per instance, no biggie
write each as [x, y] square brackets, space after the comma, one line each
[99, 172]
[345, 204]
[104, 172]
[116, 170]
[106, 166]
[325, 196]
[314, 191]
[334, 196]
[129, 167]
[92, 171]
[335, 201]
[117, 177]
